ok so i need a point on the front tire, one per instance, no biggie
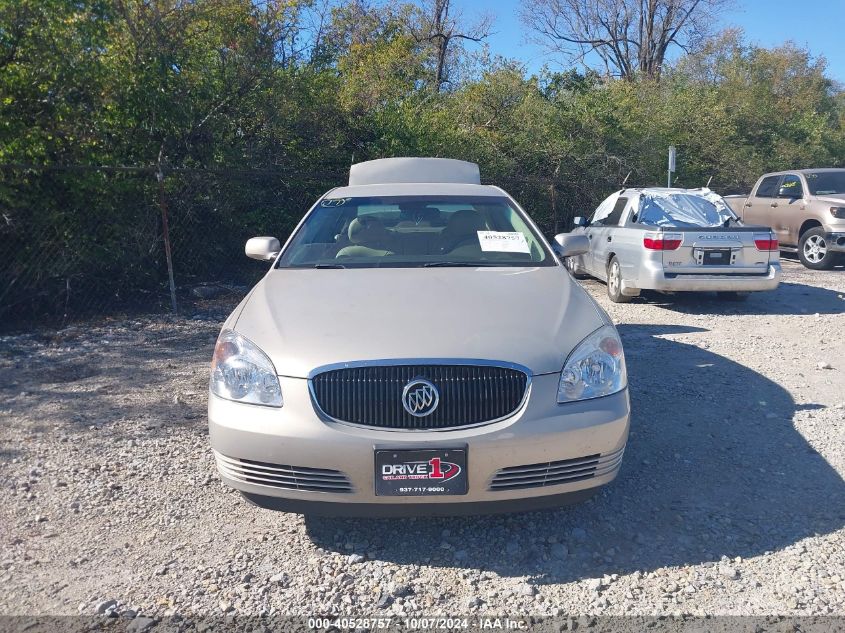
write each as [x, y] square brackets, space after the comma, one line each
[814, 251]
[614, 282]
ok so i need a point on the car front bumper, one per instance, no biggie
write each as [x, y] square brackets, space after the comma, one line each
[295, 439]
[656, 278]
[835, 242]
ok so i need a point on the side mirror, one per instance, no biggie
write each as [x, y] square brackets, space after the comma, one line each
[571, 245]
[262, 248]
[580, 221]
[793, 193]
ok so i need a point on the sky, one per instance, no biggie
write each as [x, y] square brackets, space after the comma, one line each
[814, 24]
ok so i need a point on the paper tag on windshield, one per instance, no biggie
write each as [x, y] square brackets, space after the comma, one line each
[503, 242]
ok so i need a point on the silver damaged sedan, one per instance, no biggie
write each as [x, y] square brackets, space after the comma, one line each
[417, 347]
[675, 240]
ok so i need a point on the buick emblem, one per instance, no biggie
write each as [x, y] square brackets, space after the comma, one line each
[420, 397]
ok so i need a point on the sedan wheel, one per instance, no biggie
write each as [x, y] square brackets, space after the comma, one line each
[614, 282]
[813, 250]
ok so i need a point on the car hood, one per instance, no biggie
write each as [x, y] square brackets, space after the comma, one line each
[305, 318]
[833, 198]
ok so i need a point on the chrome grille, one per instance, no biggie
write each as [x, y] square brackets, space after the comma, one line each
[280, 476]
[371, 395]
[554, 473]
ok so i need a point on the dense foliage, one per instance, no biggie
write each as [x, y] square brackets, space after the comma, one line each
[301, 89]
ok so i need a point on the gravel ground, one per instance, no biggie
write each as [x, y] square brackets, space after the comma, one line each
[731, 498]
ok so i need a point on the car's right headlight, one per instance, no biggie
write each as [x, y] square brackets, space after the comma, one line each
[240, 371]
[595, 368]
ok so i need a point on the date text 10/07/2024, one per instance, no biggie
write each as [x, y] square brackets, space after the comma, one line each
[419, 623]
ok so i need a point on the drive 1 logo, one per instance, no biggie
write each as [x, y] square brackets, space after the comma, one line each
[435, 468]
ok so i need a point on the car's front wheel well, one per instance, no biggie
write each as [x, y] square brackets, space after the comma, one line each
[808, 224]
[610, 257]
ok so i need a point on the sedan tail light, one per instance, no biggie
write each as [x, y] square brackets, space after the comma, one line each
[766, 243]
[662, 241]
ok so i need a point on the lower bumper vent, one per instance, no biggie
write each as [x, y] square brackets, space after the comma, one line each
[281, 476]
[554, 473]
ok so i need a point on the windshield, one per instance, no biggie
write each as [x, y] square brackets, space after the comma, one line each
[683, 210]
[825, 183]
[414, 231]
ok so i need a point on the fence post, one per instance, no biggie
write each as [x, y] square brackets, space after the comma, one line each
[165, 228]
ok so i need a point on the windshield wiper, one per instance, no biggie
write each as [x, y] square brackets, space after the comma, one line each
[458, 264]
[329, 266]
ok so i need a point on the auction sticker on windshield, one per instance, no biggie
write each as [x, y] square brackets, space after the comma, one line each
[503, 241]
[423, 472]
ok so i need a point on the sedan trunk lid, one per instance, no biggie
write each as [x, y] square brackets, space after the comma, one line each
[732, 250]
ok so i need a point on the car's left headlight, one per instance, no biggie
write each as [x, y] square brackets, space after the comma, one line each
[240, 371]
[595, 368]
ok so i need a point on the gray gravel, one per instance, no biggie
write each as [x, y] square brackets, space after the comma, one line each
[731, 498]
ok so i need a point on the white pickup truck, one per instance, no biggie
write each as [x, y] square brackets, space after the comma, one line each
[806, 210]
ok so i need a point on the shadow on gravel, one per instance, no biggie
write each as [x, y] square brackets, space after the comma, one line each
[792, 258]
[8, 454]
[789, 298]
[714, 468]
[125, 374]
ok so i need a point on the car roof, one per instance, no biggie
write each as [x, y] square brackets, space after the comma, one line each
[415, 189]
[414, 169]
[804, 171]
[666, 190]
[414, 176]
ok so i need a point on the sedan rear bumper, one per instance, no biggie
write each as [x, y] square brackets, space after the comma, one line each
[292, 459]
[656, 278]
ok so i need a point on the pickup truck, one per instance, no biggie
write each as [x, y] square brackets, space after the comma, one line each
[806, 210]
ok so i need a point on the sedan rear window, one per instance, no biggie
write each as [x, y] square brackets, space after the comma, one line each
[414, 231]
[683, 210]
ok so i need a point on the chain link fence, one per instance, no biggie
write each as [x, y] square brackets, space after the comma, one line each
[82, 241]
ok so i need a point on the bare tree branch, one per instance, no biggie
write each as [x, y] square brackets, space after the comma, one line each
[441, 26]
[631, 36]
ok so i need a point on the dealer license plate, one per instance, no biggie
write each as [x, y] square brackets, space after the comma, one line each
[421, 472]
[717, 257]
